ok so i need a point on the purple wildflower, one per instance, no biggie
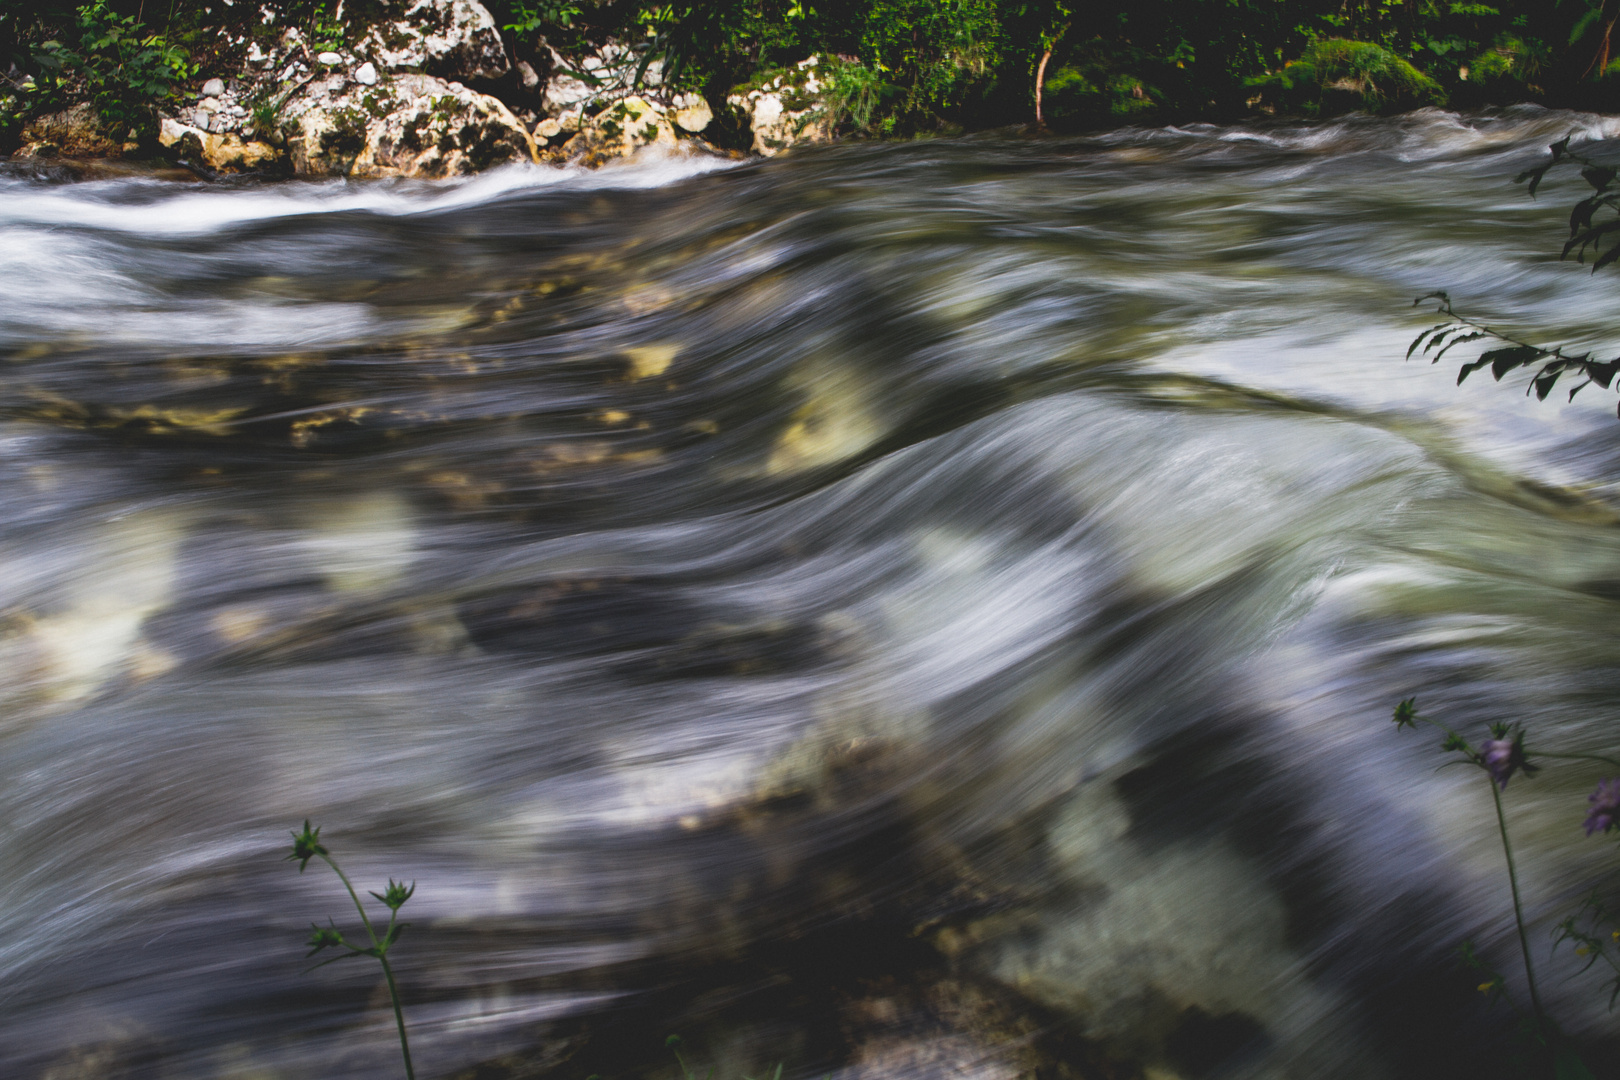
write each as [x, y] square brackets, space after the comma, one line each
[1605, 812]
[1503, 756]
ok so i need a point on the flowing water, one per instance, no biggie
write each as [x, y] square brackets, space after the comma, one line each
[896, 610]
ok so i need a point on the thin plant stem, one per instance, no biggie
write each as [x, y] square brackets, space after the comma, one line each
[352, 896]
[399, 1018]
[1518, 907]
[382, 956]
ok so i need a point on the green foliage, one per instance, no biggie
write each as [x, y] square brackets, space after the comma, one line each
[851, 94]
[1510, 57]
[1594, 931]
[933, 51]
[935, 65]
[527, 18]
[1376, 76]
[714, 44]
[1544, 1050]
[306, 846]
[265, 113]
[916, 66]
[125, 71]
[325, 30]
[1093, 92]
[1586, 231]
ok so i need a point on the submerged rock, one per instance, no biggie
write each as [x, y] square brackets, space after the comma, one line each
[90, 630]
[1173, 954]
[839, 420]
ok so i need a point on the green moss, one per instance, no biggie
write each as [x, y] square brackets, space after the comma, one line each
[1091, 94]
[1511, 57]
[1352, 69]
[348, 134]
[379, 103]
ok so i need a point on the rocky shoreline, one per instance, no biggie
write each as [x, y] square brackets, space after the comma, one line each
[430, 90]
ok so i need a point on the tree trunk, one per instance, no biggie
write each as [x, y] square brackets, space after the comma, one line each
[1040, 77]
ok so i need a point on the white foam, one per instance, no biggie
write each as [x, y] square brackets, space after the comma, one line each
[191, 209]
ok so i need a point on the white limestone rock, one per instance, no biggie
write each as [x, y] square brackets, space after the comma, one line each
[219, 152]
[408, 126]
[786, 111]
[619, 131]
[691, 112]
[456, 39]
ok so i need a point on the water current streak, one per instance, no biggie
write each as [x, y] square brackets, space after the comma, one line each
[892, 609]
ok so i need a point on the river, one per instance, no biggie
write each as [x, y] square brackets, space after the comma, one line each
[893, 610]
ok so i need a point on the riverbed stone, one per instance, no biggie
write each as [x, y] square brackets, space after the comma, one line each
[1149, 950]
[838, 420]
[122, 574]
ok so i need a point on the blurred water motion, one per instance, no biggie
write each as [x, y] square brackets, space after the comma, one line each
[900, 610]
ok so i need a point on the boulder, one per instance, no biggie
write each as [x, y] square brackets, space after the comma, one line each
[74, 132]
[691, 112]
[221, 153]
[409, 125]
[456, 39]
[619, 131]
[585, 86]
[786, 109]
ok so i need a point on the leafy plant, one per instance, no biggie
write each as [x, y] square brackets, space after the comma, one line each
[326, 35]
[1092, 91]
[528, 17]
[1594, 934]
[1500, 758]
[851, 92]
[681, 36]
[306, 846]
[932, 50]
[1585, 231]
[1371, 71]
[126, 71]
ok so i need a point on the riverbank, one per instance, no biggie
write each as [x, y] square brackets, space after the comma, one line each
[440, 88]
